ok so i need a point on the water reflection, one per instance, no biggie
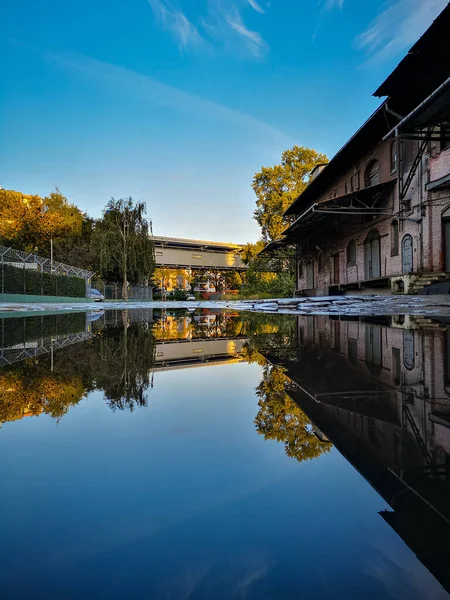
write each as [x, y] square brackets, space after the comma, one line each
[378, 390]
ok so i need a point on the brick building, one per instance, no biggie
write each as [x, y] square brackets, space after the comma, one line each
[378, 215]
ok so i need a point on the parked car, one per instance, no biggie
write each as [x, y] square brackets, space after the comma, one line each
[191, 297]
[96, 295]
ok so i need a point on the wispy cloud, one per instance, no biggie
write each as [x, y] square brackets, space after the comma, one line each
[330, 4]
[256, 6]
[326, 6]
[252, 40]
[171, 18]
[221, 25]
[398, 26]
[157, 93]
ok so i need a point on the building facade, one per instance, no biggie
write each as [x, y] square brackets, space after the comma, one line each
[378, 214]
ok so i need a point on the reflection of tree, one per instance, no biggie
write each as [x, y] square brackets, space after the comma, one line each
[118, 360]
[31, 390]
[122, 363]
[279, 418]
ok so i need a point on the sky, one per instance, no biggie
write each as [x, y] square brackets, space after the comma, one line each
[179, 102]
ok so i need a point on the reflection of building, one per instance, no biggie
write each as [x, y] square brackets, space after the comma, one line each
[378, 215]
[198, 352]
[381, 395]
[199, 339]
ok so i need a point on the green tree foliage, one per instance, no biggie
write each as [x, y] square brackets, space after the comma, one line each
[122, 245]
[269, 275]
[278, 186]
[75, 248]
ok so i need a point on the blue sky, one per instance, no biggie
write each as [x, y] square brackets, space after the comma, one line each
[179, 102]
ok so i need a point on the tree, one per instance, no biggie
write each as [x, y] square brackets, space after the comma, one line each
[76, 249]
[277, 187]
[122, 244]
[30, 222]
[279, 418]
[168, 278]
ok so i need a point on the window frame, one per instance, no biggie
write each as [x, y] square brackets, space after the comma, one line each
[393, 156]
[351, 262]
[369, 176]
[395, 237]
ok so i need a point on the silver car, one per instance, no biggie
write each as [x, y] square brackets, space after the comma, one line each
[96, 295]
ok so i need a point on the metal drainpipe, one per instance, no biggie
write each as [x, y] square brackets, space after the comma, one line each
[420, 183]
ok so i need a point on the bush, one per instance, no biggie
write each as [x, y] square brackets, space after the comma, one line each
[24, 281]
[178, 294]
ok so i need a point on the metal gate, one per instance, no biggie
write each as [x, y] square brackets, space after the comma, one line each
[372, 259]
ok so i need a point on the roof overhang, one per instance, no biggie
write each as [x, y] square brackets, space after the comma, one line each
[359, 202]
[366, 138]
[276, 245]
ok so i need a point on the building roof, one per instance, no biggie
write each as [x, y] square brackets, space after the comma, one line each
[367, 136]
[160, 240]
[424, 68]
[426, 65]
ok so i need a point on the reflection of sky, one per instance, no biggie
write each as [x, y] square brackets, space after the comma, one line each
[183, 499]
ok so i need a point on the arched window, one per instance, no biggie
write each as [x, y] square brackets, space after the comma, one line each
[351, 253]
[300, 269]
[321, 261]
[394, 238]
[407, 255]
[394, 156]
[372, 174]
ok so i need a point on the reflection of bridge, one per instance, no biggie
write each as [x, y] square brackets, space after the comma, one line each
[197, 254]
[183, 354]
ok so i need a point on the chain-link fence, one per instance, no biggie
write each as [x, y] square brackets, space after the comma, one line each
[114, 290]
[28, 273]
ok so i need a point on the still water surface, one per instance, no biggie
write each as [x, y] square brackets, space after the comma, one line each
[207, 455]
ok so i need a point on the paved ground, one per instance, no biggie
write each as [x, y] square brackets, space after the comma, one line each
[343, 305]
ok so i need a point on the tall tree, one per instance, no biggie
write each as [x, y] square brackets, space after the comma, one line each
[122, 243]
[30, 222]
[277, 187]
